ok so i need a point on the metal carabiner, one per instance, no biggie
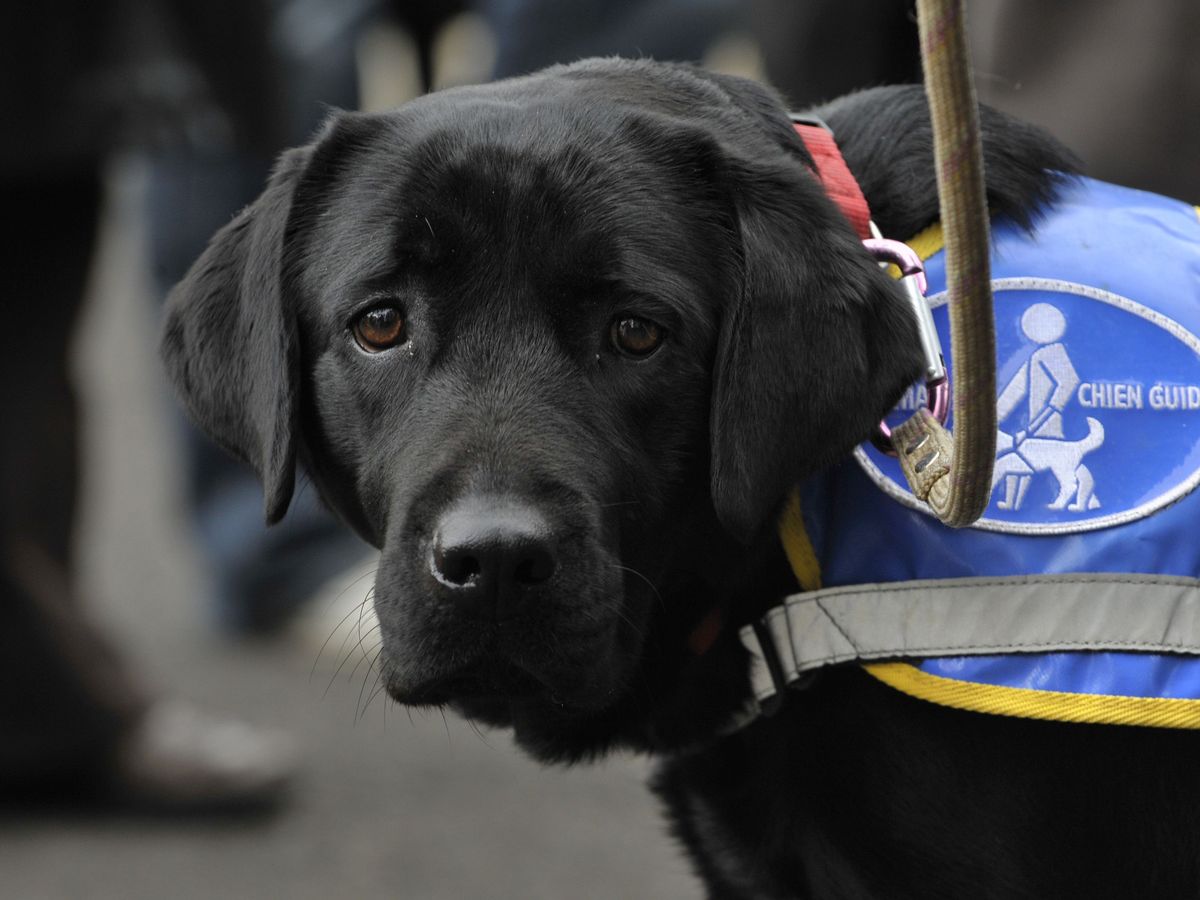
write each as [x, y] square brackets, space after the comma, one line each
[912, 280]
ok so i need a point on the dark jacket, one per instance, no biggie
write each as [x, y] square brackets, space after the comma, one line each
[77, 76]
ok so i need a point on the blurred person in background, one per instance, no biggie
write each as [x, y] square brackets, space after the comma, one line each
[209, 94]
[816, 50]
[199, 173]
[1117, 82]
[533, 34]
[199, 176]
[75, 724]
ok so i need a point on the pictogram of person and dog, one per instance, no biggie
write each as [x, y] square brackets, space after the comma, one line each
[1045, 382]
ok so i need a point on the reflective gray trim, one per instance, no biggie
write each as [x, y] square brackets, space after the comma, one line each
[971, 616]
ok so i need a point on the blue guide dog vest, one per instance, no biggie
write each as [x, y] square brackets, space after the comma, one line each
[1077, 596]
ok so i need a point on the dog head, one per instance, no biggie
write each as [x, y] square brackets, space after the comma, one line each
[557, 346]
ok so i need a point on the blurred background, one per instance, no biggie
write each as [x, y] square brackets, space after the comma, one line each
[134, 567]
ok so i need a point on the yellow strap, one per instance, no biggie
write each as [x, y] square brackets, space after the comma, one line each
[798, 546]
[1058, 706]
[927, 243]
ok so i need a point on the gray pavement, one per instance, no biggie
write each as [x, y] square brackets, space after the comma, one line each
[389, 806]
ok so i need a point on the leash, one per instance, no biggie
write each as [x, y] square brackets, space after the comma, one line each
[950, 472]
[953, 474]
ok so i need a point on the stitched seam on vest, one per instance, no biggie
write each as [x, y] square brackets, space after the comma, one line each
[980, 649]
[897, 587]
[836, 624]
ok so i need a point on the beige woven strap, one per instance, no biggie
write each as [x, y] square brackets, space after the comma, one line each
[926, 453]
[958, 485]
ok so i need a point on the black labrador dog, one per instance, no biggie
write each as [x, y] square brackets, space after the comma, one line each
[560, 346]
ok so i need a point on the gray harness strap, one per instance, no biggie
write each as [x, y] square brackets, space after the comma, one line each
[968, 616]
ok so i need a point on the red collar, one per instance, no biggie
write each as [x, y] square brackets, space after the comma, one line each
[833, 172]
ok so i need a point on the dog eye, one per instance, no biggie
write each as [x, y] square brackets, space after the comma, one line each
[636, 337]
[378, 329]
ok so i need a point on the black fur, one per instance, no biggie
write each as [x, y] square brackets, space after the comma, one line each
[513, 224]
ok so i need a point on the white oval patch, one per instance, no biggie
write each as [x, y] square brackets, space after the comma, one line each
[1098, 410]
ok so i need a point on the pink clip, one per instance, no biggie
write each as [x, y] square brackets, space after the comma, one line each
[937, 385]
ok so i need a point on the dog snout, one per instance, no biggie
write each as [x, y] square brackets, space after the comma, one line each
[490, 554]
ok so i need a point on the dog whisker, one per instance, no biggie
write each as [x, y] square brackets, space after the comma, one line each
[364, 657]
[614, 607]
[360, 709]
[621, 503]
[325, 644]
[338, 627]
[633, 571]
[344, 659]
[376, 691]
[479, 733]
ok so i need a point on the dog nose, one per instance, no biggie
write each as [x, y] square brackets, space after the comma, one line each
[490, 552]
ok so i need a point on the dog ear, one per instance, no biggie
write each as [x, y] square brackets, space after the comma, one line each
[813, 351]
[230, 346]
